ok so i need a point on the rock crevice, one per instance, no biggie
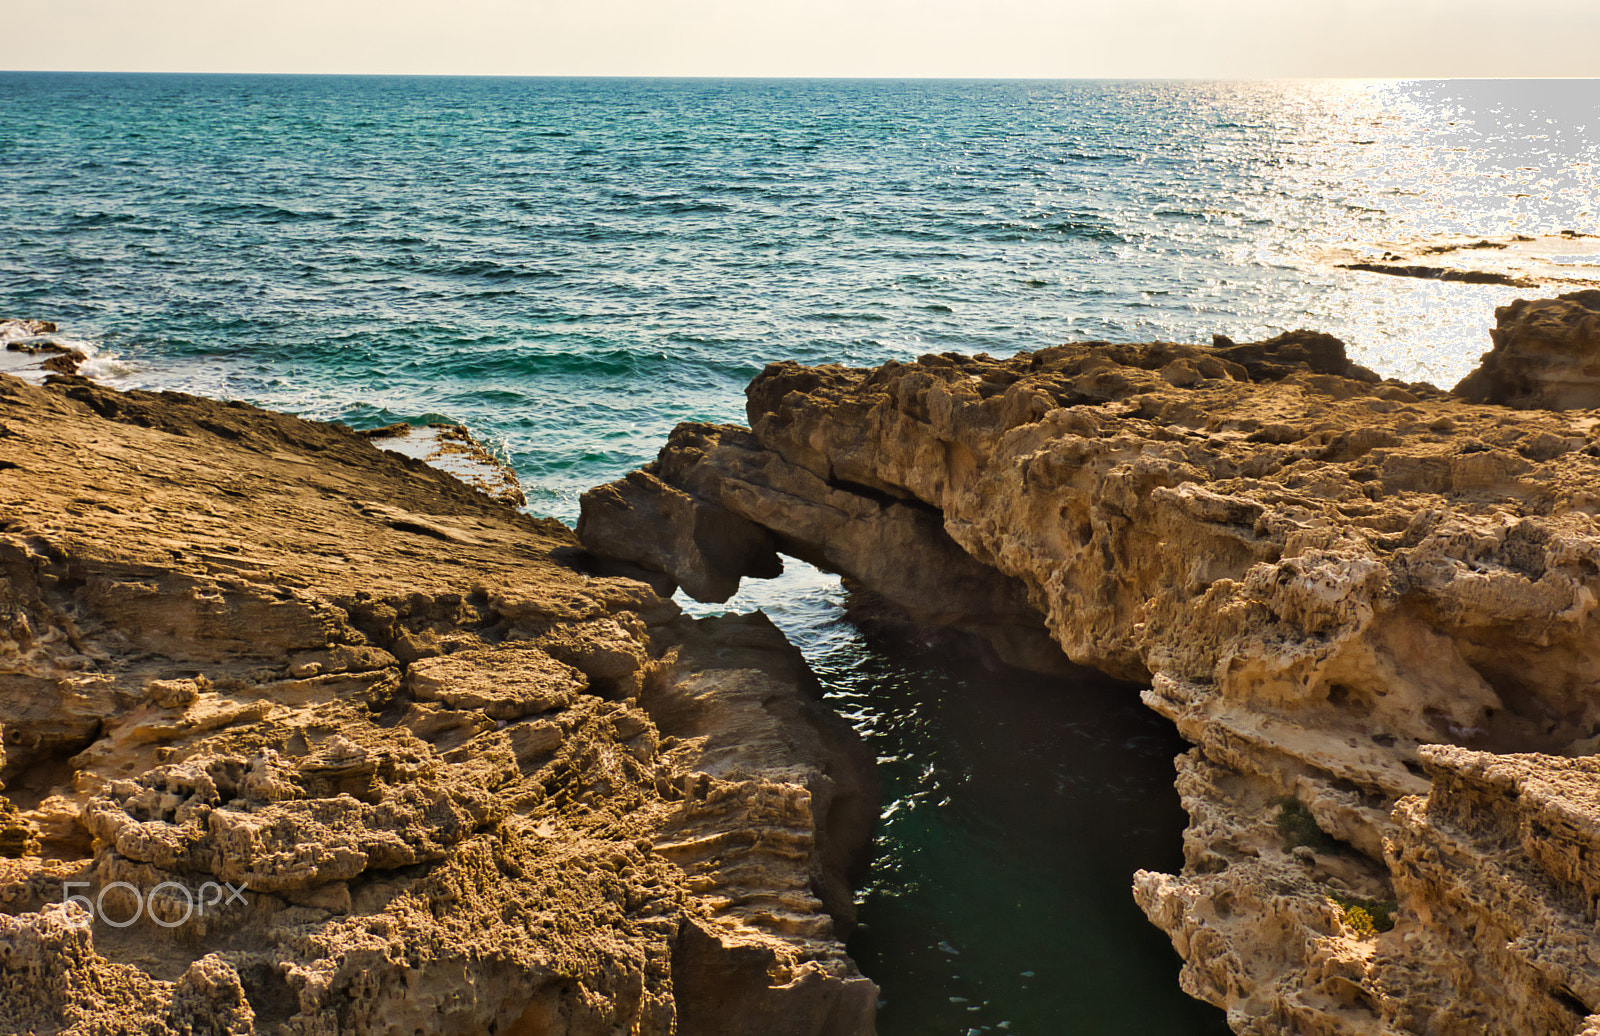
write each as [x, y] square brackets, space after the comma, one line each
[1328, 581]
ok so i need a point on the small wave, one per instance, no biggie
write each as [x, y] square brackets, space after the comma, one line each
[919, 234]
[497, 397]
[1091, 231]
[607, 233]
[88, 348]
[98, 363]
[676, 208]
[1083, 156]
[105, 367]
[751, 187]
[871, 318]
[489, 270]
[1076, 227]
[262, 212]
[690, 338]
[620, 194]
[100, 219]
[536, 363]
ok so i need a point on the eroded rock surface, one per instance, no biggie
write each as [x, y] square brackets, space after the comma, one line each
[1546, 355]
[357, 749]
[1324, 578]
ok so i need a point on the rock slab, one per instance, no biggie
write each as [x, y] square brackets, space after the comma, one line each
[330, 742]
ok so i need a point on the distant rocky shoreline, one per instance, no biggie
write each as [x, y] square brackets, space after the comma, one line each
[1370, 606]
[1569, 259]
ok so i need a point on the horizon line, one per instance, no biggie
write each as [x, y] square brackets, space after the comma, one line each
[1246, 78]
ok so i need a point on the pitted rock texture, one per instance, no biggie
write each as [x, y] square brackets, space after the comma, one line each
[1319, 573]
[1498, 867]
[356, 749]
[1546, 355]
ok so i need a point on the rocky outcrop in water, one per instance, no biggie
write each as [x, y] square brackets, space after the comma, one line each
[28, 346]
[305, 737]
[451, 448]
[1546, 355]
[1370, 606]
[1551, 261]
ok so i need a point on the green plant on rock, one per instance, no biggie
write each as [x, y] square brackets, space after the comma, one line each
[1367, 916]
[1296, 826]
[1361, 921]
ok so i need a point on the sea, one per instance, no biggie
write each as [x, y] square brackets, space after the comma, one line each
[570, 267]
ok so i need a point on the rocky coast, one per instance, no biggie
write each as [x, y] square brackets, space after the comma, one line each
[1369, 606]
[306, 737]
[302, 736]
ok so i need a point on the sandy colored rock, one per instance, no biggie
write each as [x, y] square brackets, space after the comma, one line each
[1497, 865]
[506, 682]
[802, 780]
[1546, 355]
[456, 782]
[739, 504]
[1322, 575]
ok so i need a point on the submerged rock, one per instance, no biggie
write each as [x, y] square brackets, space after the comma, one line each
[305, 737]
[1329, 582]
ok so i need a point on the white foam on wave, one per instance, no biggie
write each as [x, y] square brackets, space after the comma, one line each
[83, 345]
[105, 366]
[98, 363]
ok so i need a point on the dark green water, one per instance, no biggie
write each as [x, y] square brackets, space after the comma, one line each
[1015, 810]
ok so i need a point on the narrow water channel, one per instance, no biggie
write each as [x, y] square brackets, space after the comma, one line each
[1015, 810]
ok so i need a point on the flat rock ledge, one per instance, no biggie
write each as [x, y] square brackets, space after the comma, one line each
[1369, 606]
[303, 737]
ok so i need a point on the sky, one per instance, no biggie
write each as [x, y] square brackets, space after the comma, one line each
[893, 38]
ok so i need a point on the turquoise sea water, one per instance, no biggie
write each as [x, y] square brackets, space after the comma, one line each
[570, 267]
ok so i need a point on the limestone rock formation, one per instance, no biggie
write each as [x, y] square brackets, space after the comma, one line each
[302, 737]
[1546, 355]
[1360, 601]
